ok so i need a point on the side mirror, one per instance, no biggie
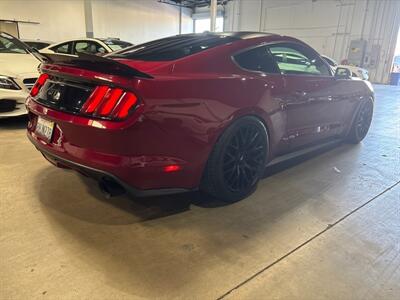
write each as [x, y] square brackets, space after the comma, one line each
[342, 73]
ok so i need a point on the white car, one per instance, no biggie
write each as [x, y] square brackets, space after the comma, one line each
[18, 73]
[356, 72]
[86, 45]
[37, 44]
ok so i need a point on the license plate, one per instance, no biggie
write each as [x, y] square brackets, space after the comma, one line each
[44, 128]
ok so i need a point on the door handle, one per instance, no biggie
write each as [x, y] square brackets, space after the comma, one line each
[283, 105]
[300, 93]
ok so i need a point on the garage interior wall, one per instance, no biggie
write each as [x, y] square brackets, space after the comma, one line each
[135, 21]
[327, 25]
[58, 20]
[138, 21]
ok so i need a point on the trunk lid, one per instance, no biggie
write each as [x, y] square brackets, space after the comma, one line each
[89, 85]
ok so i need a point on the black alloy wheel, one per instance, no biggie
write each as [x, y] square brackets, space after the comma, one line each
[237, 161]
[362, 122]
[242, 158]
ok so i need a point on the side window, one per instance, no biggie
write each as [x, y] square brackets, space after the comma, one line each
[88, 47]
[63, 48]
[297, 59]
[257, 59]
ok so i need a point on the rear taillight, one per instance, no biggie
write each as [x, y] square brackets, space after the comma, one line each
[39, 84]
[109, 102]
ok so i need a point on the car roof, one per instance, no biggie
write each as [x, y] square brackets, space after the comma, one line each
[36, 41]
[80, 39]
[99, 40]
[159, 49]
[243, 35]
[90, 39]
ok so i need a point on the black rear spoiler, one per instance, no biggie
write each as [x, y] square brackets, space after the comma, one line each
[93, 63]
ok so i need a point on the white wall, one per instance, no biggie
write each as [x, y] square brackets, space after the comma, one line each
[138, 21]
[327, 25]
[132, 20]
[61, 19]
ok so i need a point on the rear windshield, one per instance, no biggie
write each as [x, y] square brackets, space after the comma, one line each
[174, 47]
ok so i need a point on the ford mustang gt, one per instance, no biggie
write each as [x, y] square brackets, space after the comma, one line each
[198, 111]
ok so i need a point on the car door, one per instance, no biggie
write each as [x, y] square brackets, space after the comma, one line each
[267, 83]
[309, 95]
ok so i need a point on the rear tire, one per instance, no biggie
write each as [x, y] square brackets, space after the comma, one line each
[361, 122]
[237, 161]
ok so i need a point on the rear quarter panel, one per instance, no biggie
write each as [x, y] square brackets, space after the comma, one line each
[193, 110]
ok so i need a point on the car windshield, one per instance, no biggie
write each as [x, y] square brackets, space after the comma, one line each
[9, 44]
[174, 47]
[116, 45]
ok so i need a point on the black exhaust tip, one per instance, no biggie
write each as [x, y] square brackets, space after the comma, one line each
[110, 188]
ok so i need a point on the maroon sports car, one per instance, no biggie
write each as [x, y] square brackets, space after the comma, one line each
[197, 111]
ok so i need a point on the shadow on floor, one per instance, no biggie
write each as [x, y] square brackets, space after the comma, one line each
[125, 209]
[14, 123]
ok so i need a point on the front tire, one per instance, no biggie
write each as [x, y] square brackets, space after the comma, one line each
[237, 161]
[362, 122]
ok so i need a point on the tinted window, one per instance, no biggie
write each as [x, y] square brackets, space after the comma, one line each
[297, 59]
[257, 59]
[175, 47]
[63, 48]
[88, 47]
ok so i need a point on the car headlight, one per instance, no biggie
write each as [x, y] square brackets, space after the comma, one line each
[8, 83]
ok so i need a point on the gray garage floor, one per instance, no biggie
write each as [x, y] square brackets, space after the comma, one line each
[325, 228]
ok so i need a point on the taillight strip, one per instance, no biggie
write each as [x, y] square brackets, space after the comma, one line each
[109, 101]
[127, 102]
[39, 84]
[95, 98]
[105, 101]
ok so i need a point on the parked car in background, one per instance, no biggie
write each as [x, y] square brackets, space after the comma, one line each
[396, 64]
[87, 45]
[37, 44]
[356, 72]
[196, 111]
[18, 73]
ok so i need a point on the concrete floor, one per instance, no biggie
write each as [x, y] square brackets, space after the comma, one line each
[325, 228]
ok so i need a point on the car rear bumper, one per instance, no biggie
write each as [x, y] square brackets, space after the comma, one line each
[101, 175]
[127, 155]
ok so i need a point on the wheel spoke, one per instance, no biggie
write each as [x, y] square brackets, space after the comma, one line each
[230, 169]
[243, 157]
[253, 139]
[230, 157]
